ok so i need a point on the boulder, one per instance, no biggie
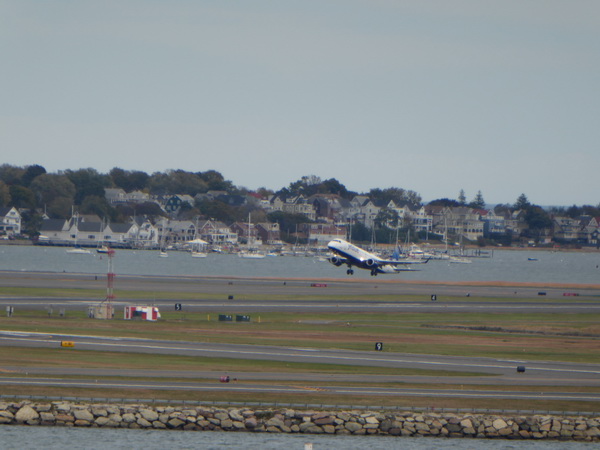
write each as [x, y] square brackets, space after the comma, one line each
[83, 414]
[26, 414]
[149, 415]
[499, 424]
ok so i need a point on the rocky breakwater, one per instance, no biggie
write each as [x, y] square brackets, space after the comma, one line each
[300, 421]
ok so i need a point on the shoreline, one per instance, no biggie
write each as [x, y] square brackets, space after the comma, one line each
[297, 421]
[435, 246]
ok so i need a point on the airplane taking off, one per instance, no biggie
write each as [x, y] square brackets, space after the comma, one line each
[351, 255]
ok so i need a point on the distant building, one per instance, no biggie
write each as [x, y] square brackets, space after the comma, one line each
[321, 233]
[10, 221]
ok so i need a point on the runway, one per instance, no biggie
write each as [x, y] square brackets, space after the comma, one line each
[364, 390]
[492, 371]
[226, 294]
[250, 295]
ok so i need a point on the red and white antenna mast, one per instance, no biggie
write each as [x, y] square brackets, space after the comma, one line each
[110, 279]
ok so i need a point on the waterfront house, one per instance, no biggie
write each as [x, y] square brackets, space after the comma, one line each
[215, 232]
[10, 221]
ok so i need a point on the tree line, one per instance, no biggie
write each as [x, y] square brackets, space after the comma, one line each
[34, 191]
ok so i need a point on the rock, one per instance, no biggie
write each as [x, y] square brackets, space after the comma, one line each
[353, 427]
[466, 423]
[143, 423]
[67, 418]
[82, 423]
[327, 420]
[275, 422]
[26, 414]
[99, 412]
[83, 414]
[7, 414]
[328, 429]
[237, 425]
[102, 421]
[47, 417]
[221, 416]
[499, 424]
[250, 423]
[236, 416]
[149, 415]
[175, 423]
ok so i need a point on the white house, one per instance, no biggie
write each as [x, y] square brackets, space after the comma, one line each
[10, 221]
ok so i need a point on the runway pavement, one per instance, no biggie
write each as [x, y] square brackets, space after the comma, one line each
[492, 371]
[225, 294]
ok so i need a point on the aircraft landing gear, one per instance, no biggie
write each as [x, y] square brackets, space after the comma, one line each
[350, 272]
[373, 273]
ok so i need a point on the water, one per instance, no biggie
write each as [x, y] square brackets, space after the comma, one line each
[24, 437]
[505, 265]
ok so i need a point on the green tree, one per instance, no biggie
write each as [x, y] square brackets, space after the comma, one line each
[398, 195]
[444, 202]
[147, 209]
[87, 182]
[176, 182]
[21, 197]
[11, 174]
[522, 202]
[129, 180]
[4, 194]
[93, 204]
[288, 223]
[60, 208]
[462, 199]
[215, 209]
[31, 173]
[216, 182]
[478, 202]
[31, 222]
[360, 233]
[537, 220]
[387, 218]
[49, 188]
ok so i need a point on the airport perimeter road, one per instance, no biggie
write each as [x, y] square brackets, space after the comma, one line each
[241, 387]
[498, 371]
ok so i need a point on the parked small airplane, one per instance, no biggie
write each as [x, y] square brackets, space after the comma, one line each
[351, 255]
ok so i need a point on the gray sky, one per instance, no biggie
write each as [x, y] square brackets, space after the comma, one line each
[431, 96]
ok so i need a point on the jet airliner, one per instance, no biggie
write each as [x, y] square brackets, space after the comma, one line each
[351, 255]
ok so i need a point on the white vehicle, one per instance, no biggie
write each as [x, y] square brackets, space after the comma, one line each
[351, 255]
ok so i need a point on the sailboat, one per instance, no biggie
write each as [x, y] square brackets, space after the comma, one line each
[76, 250]
[163, 249]
[197, 245]
[248, 253]
[102, 248]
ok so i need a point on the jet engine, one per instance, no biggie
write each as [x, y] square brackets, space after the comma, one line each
[371, 263]
[336, 261]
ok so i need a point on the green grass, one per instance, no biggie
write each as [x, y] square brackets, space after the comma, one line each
[507, 335]
[137, 294]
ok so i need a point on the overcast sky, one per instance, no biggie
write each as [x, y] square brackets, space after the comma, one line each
[501, 97]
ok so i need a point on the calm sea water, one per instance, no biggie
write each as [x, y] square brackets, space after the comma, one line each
[23, 437]
[505, 265]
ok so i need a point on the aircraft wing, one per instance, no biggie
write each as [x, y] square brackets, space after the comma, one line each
[396, 262]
